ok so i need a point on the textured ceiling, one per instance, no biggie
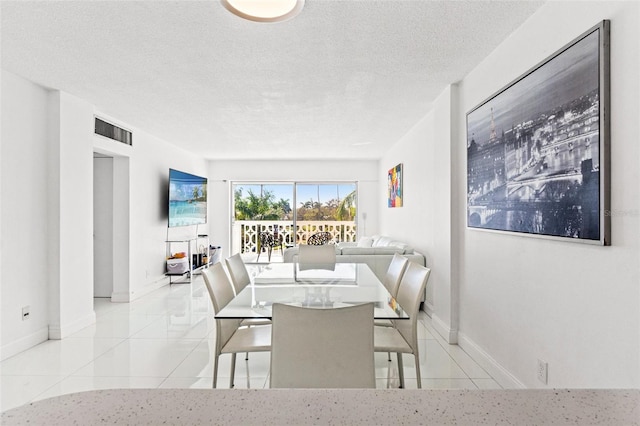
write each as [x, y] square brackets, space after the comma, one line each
[345, 79]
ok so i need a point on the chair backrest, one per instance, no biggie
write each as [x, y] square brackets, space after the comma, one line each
[238, 272]
[325, 254]
[410, 292]
[221, 293]
[394, 274]
[322, 348]
[267, 239]
[320, 238]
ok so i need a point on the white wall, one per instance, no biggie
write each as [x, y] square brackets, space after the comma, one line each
[1, 215]
[520, 299]
[414, 221]
[70, 208]
[221, 173]
[150, 162]
[47, 243]
[574, 306]
[426, 219]
[144, 168]
[24, 224]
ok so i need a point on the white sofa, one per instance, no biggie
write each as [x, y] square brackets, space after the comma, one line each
[376, 251]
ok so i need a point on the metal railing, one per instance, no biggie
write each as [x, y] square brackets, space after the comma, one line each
[245, 232]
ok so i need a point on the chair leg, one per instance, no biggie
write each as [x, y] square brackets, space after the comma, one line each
[418, 370]
[400, 370]
[246, 354]
[215, 370]
[233, 370]
[389, 356]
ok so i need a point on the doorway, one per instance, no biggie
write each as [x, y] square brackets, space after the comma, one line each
[111, 229]
[102, 225]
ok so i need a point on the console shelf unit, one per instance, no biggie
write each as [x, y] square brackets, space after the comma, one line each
[189, 242]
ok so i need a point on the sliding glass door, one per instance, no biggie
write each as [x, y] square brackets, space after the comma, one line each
[262, 208]
[326, 208]
[289, 213]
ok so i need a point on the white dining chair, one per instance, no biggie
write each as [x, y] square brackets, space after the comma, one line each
[316, 257]
[391, 282]
[322, 348]
[394, 273]
[238, 272]
[230, 336]
[403, 336]
[240, 279]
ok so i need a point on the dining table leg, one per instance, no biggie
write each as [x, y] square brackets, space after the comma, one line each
[215, 371]
[400, 370]
[233, 370]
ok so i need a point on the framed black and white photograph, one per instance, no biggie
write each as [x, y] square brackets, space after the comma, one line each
[538, 150]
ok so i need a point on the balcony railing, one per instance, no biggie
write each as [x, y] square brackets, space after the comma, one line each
[245, 232]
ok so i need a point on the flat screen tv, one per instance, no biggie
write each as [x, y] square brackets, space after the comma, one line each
[187, 199]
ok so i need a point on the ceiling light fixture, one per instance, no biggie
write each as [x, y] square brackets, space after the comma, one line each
[264, 10]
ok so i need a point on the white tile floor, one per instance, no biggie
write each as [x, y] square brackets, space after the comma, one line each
[166, 340]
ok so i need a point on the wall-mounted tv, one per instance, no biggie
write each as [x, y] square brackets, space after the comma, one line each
[187, 199]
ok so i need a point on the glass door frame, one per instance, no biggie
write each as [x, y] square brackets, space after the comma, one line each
[232, 211]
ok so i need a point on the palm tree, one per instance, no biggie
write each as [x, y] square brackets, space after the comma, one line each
[347, 207]
[252, 207]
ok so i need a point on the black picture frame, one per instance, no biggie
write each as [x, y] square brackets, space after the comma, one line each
[538, 149]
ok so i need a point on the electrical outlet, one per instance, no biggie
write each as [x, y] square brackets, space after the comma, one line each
[25, 312]
[543, 371]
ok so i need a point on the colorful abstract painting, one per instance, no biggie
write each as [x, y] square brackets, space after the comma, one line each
[394, 181]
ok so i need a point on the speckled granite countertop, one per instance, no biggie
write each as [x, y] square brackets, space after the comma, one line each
[332, 406]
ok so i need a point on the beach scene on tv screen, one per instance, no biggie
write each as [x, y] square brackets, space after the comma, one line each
[187, 199]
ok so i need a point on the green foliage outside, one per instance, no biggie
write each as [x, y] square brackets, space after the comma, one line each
[261, 207]
[252, 206]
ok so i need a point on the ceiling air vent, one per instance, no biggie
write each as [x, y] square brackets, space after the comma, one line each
[116, 133]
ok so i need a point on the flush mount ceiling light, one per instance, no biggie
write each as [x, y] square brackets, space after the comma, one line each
[264, 10]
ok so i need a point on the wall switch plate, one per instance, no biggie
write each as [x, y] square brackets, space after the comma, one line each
[25, 312]
[543, 371]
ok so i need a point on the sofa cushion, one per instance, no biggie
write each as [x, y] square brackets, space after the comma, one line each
[382, 242]
[388, 250]
[357, 250]
[406, 248]
[365, 242]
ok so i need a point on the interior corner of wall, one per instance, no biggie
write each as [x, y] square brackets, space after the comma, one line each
[121, 297]
[60, 331]
[444, 330]
[55, 332]
[489, 364]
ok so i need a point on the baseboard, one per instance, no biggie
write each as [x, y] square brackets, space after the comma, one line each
[120, 297]
[58, 331]
[427, 307]
[123, 297]
[491, 366]
[449, 334]
[24, 343]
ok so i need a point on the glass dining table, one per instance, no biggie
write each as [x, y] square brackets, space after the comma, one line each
[343, 284]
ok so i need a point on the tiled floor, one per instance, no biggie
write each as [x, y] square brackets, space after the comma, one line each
[166, 339]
